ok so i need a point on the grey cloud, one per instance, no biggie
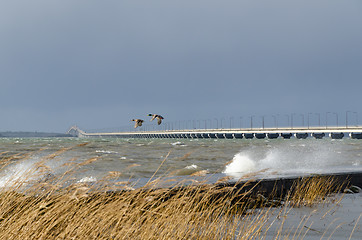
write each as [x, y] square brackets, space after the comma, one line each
[126, 57]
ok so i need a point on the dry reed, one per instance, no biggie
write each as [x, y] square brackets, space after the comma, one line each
[51, 209]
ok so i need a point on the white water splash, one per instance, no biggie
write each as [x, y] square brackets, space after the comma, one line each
[106, 152]
[286, 160]
[88, 179]
[241, 163]
[17, 173]
[28, 170]
[193, 166]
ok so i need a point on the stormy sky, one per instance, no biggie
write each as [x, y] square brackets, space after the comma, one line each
[99, 64]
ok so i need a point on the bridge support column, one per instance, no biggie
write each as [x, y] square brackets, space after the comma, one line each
[355, 135]
[205, 135]
[260, 135]
[238, 135]
[273, 135]
[249, 135]
[318, 135]
[220, 135]
[301, 135]
[212, 135]
[286, 135]
[228, 135]
[336, 135]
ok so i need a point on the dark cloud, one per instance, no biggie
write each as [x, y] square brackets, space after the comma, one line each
[100, 63]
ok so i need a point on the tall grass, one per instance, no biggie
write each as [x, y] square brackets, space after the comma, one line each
[52, 209]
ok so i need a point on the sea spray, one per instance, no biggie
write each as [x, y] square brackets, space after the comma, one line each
[241, 163]
[287, 159]
[34, 168]
[188, 170]
[16, 173]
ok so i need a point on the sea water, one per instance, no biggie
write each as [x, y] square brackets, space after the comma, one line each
[143, 158]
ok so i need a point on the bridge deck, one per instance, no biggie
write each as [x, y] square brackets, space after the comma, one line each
[300, 132]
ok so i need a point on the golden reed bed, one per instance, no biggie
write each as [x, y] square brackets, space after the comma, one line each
[51, 209]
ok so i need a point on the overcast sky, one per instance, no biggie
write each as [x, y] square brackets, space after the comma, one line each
[99, 64]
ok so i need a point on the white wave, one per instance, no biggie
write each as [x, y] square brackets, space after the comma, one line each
[193, 166]
[241, 163]
[27, 170]
[178, 144]
[17, 173]
[35, 168]
[288, 159]
[87, 179]
[106, 152]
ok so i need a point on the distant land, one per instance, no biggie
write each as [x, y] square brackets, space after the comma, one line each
[32, 134]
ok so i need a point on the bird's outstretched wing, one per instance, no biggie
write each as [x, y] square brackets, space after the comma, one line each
[159, 120]
[153, 116]
[138, 122]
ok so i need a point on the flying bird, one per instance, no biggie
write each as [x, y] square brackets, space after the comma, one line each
[156, 116]
[138, 122]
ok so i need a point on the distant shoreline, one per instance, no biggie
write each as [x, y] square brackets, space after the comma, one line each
[32, 134]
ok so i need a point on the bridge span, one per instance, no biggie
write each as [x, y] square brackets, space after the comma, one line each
[233, 133]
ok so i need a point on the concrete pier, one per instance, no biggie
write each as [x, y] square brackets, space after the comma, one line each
[280, 186]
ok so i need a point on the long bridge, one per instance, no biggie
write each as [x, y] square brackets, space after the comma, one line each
[232, 133]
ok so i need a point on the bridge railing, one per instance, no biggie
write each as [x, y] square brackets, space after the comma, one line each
[329, 120]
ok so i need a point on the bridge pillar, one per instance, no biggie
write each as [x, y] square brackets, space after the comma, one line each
[336, 135]
[286, 135]
[205, 135]
[219, 135]
[249, 135]
[212, 135]
[318, 135]
[273, 135]
[260, 135]
[355, 135]
[228, 135]
[238, 135]
[301, 135]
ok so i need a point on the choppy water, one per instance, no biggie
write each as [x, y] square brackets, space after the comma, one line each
[141, 158]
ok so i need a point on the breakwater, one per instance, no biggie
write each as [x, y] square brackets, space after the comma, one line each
[281, 186]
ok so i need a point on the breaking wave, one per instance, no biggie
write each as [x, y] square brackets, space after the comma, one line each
[289, 160]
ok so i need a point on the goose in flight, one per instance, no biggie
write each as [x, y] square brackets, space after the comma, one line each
[158, 117]
[138, 122]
